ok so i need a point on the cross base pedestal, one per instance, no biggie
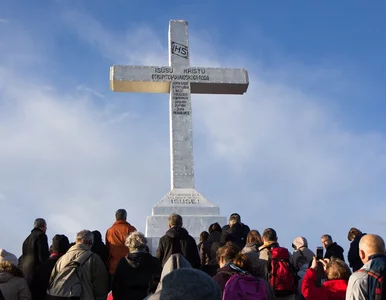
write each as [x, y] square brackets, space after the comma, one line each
[197, 212]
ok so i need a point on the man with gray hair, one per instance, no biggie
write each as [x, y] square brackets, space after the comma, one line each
[332, 248]
[368, 282]
[35, 250]
[178, 240]
[90, 280]
[116, 237]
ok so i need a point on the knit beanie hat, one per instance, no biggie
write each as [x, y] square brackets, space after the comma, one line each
[300, 242]
[7, 256]
[189, 284]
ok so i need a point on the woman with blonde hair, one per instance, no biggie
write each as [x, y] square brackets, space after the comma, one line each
[334, 288]
[13, 286]
[135, 271]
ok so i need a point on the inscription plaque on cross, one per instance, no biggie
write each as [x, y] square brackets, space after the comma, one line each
[180, 80]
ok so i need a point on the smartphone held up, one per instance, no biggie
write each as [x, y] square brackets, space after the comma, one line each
[319, 253]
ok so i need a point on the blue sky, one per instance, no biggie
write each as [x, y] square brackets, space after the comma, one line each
[304, 151]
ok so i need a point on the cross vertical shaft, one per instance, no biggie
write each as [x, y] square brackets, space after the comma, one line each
[181, 134]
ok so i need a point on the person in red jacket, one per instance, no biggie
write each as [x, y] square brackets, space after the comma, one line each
[334, 288]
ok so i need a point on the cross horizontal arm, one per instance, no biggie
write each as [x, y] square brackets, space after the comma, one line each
[152, 79]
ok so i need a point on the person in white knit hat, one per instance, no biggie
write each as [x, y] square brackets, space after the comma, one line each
[300, 246]
[13, 286]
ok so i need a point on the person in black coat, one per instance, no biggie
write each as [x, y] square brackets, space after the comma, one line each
[99, 247]
[210, 246]
[236, 230]
[332, 248]
[135, 271]
[178, 240]
[35, 250]
[215, 233]
[354, 235]
[41, 278]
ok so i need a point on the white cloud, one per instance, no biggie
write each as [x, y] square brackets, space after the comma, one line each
[4, 21]
[75, 156]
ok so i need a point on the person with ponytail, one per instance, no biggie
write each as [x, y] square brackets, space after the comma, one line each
[231, 261]
[225, 257]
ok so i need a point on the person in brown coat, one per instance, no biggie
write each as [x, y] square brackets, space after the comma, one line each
[115, 239]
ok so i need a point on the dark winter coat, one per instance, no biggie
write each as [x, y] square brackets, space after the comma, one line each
[41, 277]
[133, 274]
[353, 254]
[215, 243]
[334, 250]
[35, 253]
[205, 252]
[99, 247]
[178, 240]
[223, 275]
[237, 233]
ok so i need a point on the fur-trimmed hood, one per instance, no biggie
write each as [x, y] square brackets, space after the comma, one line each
[8, 268]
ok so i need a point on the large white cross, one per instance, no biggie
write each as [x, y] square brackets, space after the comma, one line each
[180, 80]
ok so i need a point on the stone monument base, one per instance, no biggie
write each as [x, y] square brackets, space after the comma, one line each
[197, 212]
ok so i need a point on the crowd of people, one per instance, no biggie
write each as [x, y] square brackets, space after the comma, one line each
[230, 262]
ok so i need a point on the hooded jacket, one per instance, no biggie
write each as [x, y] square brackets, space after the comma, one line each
[175, 261]
[307, 253]
[13, 286]
[331, 289]
[133, 274]
[115, 242]
[334, 250]
[178, 240]
[300, 246]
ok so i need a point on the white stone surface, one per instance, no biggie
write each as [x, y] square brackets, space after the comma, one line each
[197, 213]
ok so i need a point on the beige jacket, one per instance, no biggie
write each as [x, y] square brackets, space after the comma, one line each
[95, 277]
